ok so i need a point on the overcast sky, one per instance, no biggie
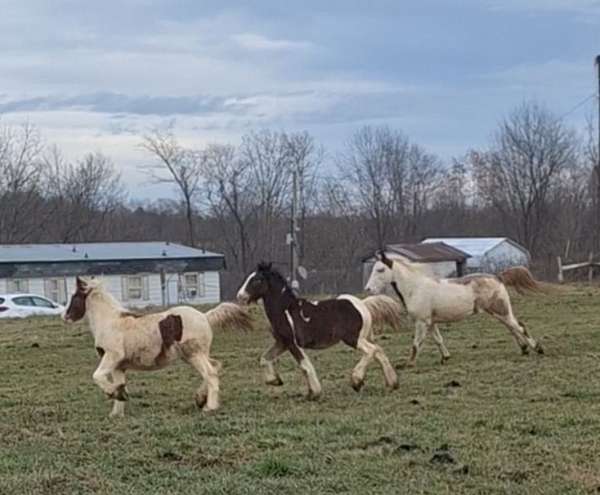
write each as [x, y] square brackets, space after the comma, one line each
[93, 76]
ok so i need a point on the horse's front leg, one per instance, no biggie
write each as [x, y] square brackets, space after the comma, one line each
[312, 381]
[421, 327]
[120, 396]
[109, 378]
[267, 362]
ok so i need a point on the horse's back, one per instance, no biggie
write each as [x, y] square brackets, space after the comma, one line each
[194, 323]
[324, 323]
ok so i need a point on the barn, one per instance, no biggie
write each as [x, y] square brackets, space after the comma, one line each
[487, 254]
[438, 259]
[137, 273]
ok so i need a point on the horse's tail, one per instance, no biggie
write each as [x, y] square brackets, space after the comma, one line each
[384, 310]
[229, 315]
[521, 279]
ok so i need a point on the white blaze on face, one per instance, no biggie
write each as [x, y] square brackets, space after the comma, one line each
[242, 295]
[378, 278]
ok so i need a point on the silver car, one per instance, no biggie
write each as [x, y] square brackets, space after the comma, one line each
[24, 305]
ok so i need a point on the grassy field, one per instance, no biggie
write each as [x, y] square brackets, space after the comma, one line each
[490, 421]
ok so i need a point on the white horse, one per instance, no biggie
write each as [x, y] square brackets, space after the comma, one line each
[127, 341]
[430, 301]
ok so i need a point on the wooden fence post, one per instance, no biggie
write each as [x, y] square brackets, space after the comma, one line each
[561, 278]
[591, 267]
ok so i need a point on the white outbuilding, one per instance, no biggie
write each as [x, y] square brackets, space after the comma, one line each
[137, 273]
[487, 254]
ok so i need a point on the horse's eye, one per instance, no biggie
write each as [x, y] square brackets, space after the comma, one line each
[380, 270]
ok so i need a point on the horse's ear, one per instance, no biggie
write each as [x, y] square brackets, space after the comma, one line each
[263, 266]
[385, 260]
[81, 284]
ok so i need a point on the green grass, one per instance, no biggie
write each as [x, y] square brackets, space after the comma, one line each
[514, 425]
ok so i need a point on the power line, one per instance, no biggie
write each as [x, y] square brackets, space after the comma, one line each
[577, 106]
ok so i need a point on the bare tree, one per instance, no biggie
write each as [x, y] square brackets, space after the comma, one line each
[365, 166]
[392, 179]
[424, 177]
[21, 185]
[267, 156]
[84, 194]
[230, 196]
[183, 168]
[516, 175]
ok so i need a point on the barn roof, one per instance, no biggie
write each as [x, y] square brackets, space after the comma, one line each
[475, 246]
[426, 253]
[99, 251]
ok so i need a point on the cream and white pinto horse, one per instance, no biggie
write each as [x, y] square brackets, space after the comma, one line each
[127, 341]
[430, 301]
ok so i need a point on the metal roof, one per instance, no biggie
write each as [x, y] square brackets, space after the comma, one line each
[475, 246]
[426, 253]
[99, 251]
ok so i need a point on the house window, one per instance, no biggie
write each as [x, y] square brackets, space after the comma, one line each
[55, 289]
[18, 285]
[193, 285]
[135, 288]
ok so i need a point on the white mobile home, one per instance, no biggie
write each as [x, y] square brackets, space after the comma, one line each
[137, 273]
[487, 254]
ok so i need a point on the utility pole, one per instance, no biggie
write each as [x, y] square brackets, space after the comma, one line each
[598, 128]
[292, 236]
[597, 165]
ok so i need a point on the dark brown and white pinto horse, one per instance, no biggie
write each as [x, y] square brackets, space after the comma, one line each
[126, 341]
[298, 324]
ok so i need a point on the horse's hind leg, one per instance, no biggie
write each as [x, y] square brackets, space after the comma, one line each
[437, 336]
[370, 351]
[267, 360]
[207, 395]
[519, 332]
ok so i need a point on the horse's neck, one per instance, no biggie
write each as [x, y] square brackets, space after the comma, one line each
[276, 304]
[409, 280]
[101, 311]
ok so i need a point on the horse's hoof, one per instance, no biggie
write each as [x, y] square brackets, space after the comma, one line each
[524, 350]
[445, 359]
[312, 396]
[209, 410]
[276, 382]
[119, 394]
[201, 401]
[539, 349]
[395, 385]
[357, 385]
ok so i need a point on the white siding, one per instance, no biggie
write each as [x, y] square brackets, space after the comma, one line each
[113, 283]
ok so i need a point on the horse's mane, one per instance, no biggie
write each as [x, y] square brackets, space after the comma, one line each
[100, 292]
[268, 269]
[418, 268]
